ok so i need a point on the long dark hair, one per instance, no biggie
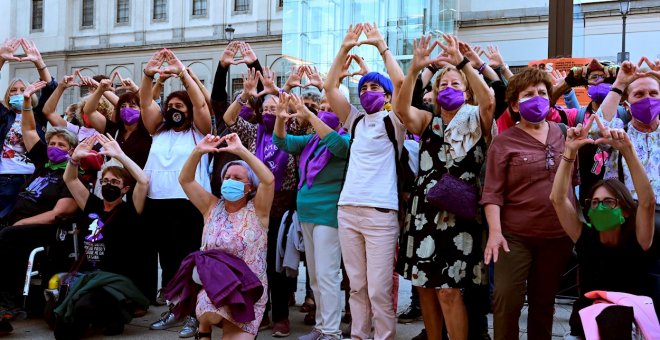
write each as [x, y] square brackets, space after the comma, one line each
[626, 203]
[185, 98]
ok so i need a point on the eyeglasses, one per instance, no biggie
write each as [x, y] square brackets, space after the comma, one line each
[608, 202]
[549, 157]
[114, 182]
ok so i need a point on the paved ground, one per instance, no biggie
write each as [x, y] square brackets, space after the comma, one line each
[139, 328]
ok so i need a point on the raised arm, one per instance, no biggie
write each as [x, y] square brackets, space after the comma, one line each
[96, 119]
[314, 77]
[249, 90]
[281, 114]
[77, 189]
[205, 91]
[32, 55]
[7, 50]
[28, 124]
[294, 79]
[112, 149]
[495, 61]
[203, 200]
[414, 119]
[201, 113]
[567, 212]
[305, 115]
[393, 69]
[51, 104]
[476, 62]
[627, 74]
[339, 103]
[266, 190]
[150, 111]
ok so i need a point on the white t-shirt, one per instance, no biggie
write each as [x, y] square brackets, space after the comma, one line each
[371, 176]
[14, 153]
[80, 131]
[169, 151]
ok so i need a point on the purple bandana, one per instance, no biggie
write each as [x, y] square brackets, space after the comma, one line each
[310, 164]
[276, 160]
[246, 112]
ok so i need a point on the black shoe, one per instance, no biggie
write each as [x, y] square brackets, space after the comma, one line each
[411, 314]
[421, 336]
[5, 327]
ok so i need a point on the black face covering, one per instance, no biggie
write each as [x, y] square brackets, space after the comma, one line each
[175, 117]
[110, 192]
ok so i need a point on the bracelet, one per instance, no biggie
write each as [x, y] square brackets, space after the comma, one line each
[569, 160]
[432, 68]
[74, 162]
[385, 50]
[617, 91]
[482, 68]
[27, 108]
[238, 99]
[41, 68]
[462, 63]
[148, 76]
[181, 74]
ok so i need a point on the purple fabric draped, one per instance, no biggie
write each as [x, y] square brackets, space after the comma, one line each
[275, 159]
[311, 165]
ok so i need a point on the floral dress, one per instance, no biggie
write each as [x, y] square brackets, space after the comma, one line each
[240, 234]
[438, 249]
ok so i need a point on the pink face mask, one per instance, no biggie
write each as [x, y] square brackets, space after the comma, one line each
[535, 109]
[646, 110]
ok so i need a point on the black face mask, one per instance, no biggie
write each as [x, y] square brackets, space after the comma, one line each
[175, 117]
[110, 192]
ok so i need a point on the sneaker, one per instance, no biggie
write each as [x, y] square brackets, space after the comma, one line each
[160, 299]
[411, 314]
[189, 328]
[281, 329]
[421, 336]
[310, 318]
[315, 334]
[265, 323]
[167, 320]
[329, 337]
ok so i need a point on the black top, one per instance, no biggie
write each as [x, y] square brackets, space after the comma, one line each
[618, 269]
[118, 247]
[44, 188]
[137, 145]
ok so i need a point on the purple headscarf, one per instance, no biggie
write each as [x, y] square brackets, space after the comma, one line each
[311, 165]
[246, 112]
[275, 159]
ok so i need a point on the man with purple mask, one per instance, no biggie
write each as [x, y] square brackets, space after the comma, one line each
[641, 90]
[369, 201]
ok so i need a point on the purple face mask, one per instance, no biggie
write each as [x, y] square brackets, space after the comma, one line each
[57, 155]
[372, 101]
[646, 110]
[330, 119]
[246, 112]
[129, 115]
[599, 92]
[534, 110]
[450, 99]
[269, 121]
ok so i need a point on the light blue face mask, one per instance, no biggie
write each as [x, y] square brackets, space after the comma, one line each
[16, 102]
[232, 190]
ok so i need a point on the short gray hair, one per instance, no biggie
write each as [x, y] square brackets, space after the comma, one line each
[64, 133]
[254, 180]
[315, 96]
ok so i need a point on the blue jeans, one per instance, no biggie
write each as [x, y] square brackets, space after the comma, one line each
[10, 185]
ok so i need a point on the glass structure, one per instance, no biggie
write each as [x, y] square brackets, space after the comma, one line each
[314, 30]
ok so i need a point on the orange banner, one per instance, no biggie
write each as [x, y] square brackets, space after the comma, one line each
[564, 64]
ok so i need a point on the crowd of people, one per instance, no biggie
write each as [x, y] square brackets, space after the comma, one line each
[458, 175]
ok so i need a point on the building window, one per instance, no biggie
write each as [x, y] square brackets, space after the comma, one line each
[280, 3]
[37, 14]
[199, 8]
[236, 85]
[160, 10]
[241, 5]
[122, 11]
[88, 13]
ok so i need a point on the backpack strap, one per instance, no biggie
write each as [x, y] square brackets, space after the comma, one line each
[389, 128]
[350, 144]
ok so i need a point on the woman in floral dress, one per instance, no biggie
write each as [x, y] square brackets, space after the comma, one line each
[236, 223]
[440, 252]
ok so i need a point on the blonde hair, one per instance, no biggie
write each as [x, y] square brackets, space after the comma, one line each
[104, 107]
[26, 84]
[470, 99]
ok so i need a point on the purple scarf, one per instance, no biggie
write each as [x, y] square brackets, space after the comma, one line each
[276, 160]
[246, 112]
[311, 165]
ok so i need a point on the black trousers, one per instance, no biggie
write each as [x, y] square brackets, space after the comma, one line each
[279, 284]
[176, 227]
[16, 243]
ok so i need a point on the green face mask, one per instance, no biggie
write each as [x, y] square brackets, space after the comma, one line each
[604, 218]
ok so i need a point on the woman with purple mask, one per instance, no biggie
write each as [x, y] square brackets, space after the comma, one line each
[258, 138]
[521, 167]
[322, 163]
[453, 140]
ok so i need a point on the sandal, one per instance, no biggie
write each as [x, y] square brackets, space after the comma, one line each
[200, 335]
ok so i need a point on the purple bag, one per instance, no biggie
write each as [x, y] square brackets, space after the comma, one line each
[455, 196]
